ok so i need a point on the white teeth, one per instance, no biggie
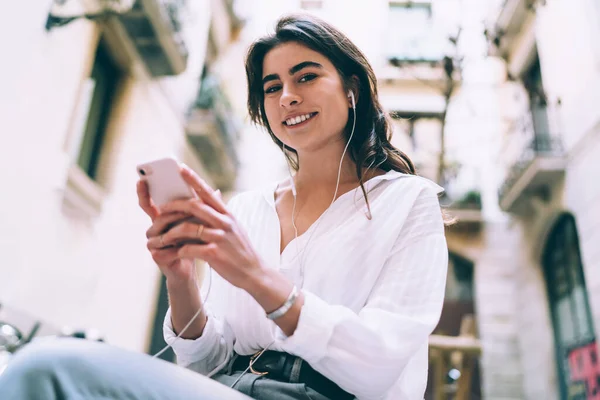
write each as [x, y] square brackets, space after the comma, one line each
[297, 120]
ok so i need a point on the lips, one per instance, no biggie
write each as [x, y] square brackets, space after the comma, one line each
[299, 119]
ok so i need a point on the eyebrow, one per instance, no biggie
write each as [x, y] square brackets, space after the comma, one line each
[293, 70]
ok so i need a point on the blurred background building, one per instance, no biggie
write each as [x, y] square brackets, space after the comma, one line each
[495, 100]
[92, 89]
[549, 139]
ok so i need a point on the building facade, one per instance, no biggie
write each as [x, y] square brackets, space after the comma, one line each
[83, 101]
[550, 141]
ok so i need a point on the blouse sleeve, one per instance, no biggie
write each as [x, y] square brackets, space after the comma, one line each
[401, 312]
[211, 350]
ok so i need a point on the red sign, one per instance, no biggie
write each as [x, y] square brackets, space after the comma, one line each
[585, 369]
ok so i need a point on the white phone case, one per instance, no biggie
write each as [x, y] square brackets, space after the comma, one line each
[165, 182]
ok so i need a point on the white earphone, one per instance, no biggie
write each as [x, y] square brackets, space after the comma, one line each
[290, 171]
[351, 95]
[367, 214]
[293, 188]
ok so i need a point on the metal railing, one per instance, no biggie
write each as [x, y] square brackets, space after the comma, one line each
[210, 94]
[213, 100]
[174, 12]
[541, 146]
[470, 200]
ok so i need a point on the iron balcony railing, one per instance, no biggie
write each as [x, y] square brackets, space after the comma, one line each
[174, 11]
[211, 97]
[213, 130]
[155, 27]
[470, 200]
[540, 146]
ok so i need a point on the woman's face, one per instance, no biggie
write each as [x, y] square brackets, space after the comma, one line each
[304, 97]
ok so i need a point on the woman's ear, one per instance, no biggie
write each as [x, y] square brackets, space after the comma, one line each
[353, 90]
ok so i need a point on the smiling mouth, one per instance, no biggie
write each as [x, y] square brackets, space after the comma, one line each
[299, 120]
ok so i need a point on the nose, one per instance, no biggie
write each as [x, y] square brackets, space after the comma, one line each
[289, 98]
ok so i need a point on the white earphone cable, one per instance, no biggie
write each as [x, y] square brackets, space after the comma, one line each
[219, 367]
[168, 346]
[337, 185]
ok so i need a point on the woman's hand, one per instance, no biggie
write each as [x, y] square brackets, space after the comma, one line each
[166, 257]
[219, 240]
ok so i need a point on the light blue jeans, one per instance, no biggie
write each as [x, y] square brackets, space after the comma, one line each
[52, 369]
[56, 369]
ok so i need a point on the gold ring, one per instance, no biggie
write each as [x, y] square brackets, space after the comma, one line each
[199, 231]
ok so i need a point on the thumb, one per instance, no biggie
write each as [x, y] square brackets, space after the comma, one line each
[219, 194]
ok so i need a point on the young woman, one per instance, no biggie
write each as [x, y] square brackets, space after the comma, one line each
[325, 285]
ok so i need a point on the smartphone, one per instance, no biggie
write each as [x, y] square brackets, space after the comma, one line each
[165, 182]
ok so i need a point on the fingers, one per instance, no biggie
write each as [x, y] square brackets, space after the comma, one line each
[165, 256]
[144, 200]
[206, 252]
[200, 210]
[206, 193]
[163, 222]
[184, 233]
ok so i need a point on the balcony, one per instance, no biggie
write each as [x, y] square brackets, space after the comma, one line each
[465, 209]
[462, 195]
[409, 70]
[148, 30]
[154, 28]
[506, 25]
[540, 166]
[213, 132]
[416, 49]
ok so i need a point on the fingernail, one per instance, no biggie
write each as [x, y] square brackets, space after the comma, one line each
[186, 167]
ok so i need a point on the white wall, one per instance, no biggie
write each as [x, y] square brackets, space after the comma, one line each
[82, 272]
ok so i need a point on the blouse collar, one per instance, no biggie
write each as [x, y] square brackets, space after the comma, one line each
[269, 192]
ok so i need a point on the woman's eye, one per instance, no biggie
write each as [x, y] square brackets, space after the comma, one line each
[307, 77]
[272, 89]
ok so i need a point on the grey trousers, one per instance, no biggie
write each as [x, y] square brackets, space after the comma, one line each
[79, 369]
[262, 388]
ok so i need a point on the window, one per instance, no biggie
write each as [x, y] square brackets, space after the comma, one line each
[83, 196]
[101, 88]
[459, 284]
[311, 4]
[537, 99]
[409, 32]
[574, 337]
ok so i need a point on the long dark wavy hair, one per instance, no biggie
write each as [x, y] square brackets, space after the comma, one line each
[370, 147]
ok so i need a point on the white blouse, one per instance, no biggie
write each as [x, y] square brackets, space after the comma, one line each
[373, 289]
